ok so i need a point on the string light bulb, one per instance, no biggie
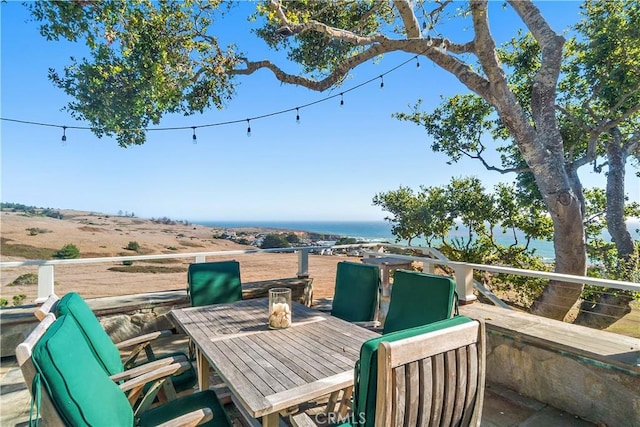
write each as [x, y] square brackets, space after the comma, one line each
[439, 43]
[297, 115]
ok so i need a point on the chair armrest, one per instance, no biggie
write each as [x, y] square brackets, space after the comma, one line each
[143, 339]
[161, 372]
[147, 367]
[302, 420]
[194, 418]
[49, 306]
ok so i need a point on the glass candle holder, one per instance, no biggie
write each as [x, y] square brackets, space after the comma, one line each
[279, 308]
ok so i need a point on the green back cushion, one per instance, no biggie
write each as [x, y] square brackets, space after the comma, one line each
[356, 291]
[80, 390]
[99, 341]
[418, 299]
[214, 282]
[367, 368]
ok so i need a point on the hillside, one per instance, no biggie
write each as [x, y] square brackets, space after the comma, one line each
[99, 235]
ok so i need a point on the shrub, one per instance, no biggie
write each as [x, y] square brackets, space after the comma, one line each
[346, 241]
[274, 241]
[4, 302]
[19, 299]
[127, 262]
[25, 279]
[133, 246]
[68, 251]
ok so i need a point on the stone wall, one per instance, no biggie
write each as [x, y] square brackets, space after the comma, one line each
[589, 373]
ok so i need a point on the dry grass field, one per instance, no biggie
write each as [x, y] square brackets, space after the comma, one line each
[98, 235]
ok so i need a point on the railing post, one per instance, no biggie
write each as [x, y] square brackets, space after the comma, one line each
[427, 267]
[303, 264]
[45, 283]
[464, 283]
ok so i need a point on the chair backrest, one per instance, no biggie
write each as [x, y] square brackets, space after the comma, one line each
[419, 299]
[214, 282]
[39, 395]
[355, 296]
[366, 369]
[65, 379]
[103, 348]
[436, 378]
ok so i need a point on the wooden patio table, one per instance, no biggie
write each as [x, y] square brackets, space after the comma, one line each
[266, 370]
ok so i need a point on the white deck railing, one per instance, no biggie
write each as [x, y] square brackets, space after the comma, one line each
[463, 271]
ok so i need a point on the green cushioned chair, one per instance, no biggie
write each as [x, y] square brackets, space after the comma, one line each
[355, 297]
[427, 375]
[105, 351]
[366, 371]
[62, 367]
[419, 299]
[214, 282]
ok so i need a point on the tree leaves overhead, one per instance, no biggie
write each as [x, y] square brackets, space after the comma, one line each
[146, 59]
[319, 53]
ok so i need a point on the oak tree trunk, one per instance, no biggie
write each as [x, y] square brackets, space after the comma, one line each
[611, 304]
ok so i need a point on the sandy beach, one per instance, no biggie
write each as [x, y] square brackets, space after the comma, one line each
[99, 235]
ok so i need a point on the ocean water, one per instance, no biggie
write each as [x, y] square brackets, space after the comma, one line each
[374, 231]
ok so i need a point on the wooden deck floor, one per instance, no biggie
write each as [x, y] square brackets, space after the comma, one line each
[502, 408]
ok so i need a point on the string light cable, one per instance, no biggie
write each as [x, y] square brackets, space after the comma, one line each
[230, 122]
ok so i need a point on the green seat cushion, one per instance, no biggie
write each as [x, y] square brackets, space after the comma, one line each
[356, 291]
[80, 389]
[366, 371]
[99, 341]
[184, 405]
[214, 282]
[419, 299]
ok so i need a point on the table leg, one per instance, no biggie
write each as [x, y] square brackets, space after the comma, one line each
[203, 370]
[271, 420]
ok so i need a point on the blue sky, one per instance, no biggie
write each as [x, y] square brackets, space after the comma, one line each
[328, 167]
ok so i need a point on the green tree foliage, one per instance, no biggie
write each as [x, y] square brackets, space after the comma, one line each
[68, 251]
[477, 218]
[346, 241]
[146, 59]
[292, 238]
[274, 241]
